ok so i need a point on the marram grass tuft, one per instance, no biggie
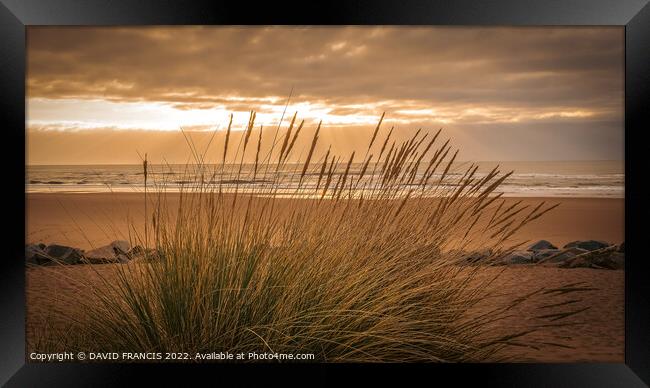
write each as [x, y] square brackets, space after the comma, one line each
[357, 260]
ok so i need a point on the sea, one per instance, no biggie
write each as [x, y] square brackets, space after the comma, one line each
[580, 179]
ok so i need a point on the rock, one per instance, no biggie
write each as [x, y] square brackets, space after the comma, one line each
[122, 245]
[137, 250]
[101, 255]
[621, 248]
[542, 254]
[115, 252]
[590, 245]
[35, 254]
[615, 260]
[618, 260]
[563, 255]
[140, 253]
[64, 255]
[541, 244]
[576, 262]
[518, 257]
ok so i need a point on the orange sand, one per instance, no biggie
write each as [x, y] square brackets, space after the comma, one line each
[86, 220]
[596, 336]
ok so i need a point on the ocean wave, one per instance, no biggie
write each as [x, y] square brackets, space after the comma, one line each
[130, 178]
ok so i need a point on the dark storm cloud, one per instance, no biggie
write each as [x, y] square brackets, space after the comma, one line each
[514, 68]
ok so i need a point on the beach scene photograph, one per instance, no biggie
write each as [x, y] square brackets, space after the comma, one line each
[339, 194]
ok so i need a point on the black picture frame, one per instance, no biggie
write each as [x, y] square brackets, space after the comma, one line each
[15, 15]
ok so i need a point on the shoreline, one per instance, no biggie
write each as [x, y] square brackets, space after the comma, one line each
[130, 190]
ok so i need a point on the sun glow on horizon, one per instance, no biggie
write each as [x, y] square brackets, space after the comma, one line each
[89, 114]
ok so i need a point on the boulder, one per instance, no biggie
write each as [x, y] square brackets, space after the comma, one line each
[136, 251]
[542, 254]
[64, 254]
[563, 255]
[115, 252]
[35, 254]
[576, 262]
[122, 245]
[541, 245]
[621, 248]
[518, 257]
[590, 245]
[145, 254]
[615, 260]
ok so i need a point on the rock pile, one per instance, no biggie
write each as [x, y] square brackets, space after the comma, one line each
[118, 251]
[576, 254]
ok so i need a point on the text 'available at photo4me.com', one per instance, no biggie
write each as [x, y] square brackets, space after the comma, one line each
[167, 356]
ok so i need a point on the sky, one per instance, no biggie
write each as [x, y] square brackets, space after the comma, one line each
[103, 95]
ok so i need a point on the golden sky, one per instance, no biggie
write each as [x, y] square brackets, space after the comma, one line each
[98, 95]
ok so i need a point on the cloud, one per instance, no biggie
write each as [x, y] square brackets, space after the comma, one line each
[580, 67]
[526, 78]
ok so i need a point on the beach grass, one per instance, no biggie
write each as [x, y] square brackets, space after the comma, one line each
[350, 265]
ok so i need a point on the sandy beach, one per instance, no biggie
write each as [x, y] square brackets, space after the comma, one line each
[87, 220]
[597, 334]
